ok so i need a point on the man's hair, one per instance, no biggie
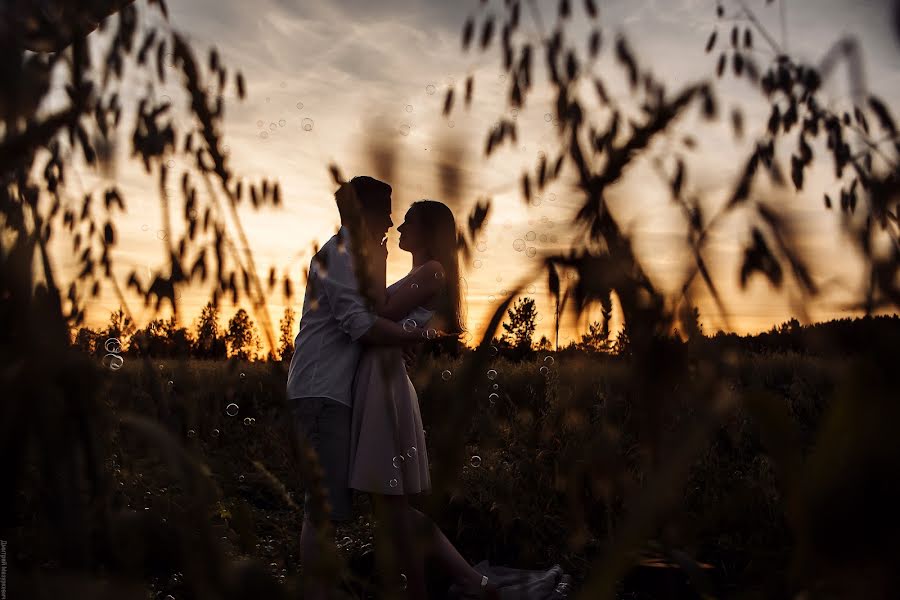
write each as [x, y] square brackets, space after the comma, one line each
[367, 193]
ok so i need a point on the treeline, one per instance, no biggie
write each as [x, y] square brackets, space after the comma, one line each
[206, 338]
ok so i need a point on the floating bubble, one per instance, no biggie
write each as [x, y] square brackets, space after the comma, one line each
[492, 298]
[451, 124]
[477, 263]
[409, 108]
[549, 360]
[232, 409]
[264, 135]
[494, 396]
[113, 362]
[544, 370]
[404, 129]
[415, 286]
[393, 483]
[439, 275]
[409, 325]
[398, 460]
[273, 126]
[430, 334]
[532, 289]
[402, 581]
[162, 235]
[503, 292]
[170, 163]
[519, 245]
[496, 386]
[548, 117]
[494, 352]
[299, 106]
[243, 375]
[551, 196]
[446, 375]
[429, 89]
[113, 345]
[530, 236]
[475, 461]
[282, 122]
[531, 252]
[492, 374]
[215, 433]
[543, 238]
[247, 421]
[502, 77]
[145, 227]
[307, 124]
[412, 451]
[481, 246]
[536, 201]
[192, 433]
[240, 478]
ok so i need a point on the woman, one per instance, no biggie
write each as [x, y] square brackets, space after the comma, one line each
[388, 457]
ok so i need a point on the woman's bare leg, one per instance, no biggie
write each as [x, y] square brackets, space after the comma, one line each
[398, 520]
[446, 553]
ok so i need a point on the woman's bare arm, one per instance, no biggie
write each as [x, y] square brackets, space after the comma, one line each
[415, 292]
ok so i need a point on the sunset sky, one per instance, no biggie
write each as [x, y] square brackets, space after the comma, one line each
[366, 72]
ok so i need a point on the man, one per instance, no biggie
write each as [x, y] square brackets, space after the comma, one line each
[336, 321]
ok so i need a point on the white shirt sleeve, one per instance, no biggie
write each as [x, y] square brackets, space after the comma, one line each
[340, 287]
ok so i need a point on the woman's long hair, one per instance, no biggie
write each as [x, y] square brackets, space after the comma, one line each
[439, 225]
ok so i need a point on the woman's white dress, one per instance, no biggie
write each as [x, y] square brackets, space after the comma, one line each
[387, 442]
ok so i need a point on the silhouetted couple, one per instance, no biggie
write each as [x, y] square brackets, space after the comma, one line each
[348, 386]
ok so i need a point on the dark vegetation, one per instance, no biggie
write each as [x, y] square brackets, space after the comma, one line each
[708, 467]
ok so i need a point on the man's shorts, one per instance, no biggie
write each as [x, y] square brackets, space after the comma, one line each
[325, 423]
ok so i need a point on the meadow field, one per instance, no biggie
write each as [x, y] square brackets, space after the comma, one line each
[516, 500]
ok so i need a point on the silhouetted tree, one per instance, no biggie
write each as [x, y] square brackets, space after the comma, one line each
[88, 340]
[286, 342]
[120, 327]
[209, 344]
[596, 339]
[241, 337]
[519, 330]
[544, 344]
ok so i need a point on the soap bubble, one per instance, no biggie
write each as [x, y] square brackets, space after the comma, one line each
[475, 461]
[430, 89]
[477, 263]
[232, 409]
[113, 345]
[281, 122]
[247, 421]
[493, 397]
[548, 117]
[530, 236]
[299, 106]
[412, 451]
[430, 334]
[446, 375]
[531, 252]
[145, 227]
[393, 483]
[114, 362]
[215, 433]
[409, 108]
[404, 129]
[307, 124]
[409, 325]
[415, 286]
[192, 433]
[549, 360]
[544, 370]
[492, 374]
[398, 460]
[519, 245]
[259, 123]
[264, 134]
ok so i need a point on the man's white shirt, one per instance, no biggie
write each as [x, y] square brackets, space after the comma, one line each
[335, 316]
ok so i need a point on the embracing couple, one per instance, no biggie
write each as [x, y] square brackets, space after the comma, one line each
[348, 388]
